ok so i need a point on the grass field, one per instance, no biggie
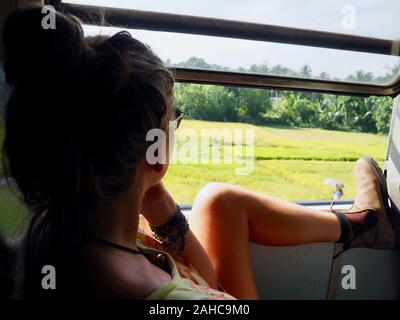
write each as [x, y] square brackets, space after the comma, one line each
[289, 163]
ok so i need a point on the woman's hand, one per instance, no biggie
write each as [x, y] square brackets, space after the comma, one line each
[158, 206]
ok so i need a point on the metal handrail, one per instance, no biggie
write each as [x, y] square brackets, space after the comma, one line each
[224, 78]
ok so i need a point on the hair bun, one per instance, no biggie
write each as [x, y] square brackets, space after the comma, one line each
[32, 51]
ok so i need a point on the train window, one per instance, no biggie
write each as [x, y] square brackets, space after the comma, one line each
[374, 19]
[193, 51]
[370, 18]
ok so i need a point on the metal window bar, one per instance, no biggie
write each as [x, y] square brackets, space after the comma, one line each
[155, 21]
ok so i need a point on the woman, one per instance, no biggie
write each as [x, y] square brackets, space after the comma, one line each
[75, 143]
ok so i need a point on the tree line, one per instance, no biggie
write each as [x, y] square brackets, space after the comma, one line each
[262, 107]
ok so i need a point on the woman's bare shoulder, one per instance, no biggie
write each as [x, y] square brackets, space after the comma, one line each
[117, 274]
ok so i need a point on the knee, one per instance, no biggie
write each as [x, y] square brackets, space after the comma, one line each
[214, 195]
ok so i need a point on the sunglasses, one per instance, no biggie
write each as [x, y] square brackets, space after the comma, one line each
[178, 117]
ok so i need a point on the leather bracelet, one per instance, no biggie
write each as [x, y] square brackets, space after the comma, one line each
[173, 234]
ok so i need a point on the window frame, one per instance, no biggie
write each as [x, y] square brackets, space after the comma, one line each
[177, 23]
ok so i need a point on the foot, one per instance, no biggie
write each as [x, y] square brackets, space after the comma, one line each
[370, 216]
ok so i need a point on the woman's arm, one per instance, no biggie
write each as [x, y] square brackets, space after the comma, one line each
[158, 208]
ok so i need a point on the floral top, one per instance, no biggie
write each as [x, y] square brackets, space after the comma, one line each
[186, 283]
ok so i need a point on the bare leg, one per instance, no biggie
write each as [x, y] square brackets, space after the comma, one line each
[225, 217]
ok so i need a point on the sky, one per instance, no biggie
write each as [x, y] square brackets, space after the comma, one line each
[373, 18]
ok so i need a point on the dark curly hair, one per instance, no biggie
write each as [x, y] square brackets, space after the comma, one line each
[75, 126]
